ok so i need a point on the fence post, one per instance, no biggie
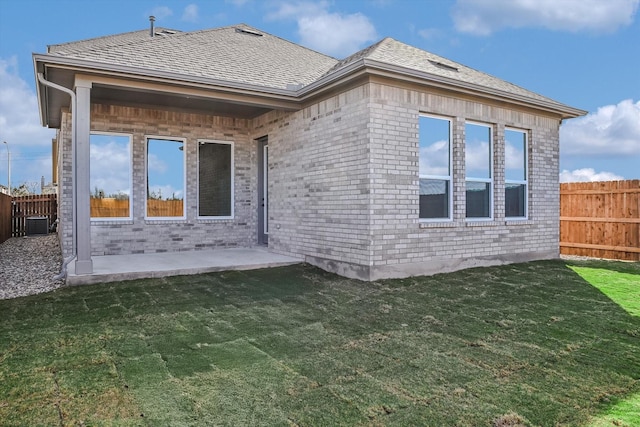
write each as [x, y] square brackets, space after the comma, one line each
[5, 217]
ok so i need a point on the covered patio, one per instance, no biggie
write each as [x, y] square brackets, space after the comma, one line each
[111, 268]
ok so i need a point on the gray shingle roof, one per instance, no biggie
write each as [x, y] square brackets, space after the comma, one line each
[243, 55]
[395, 53]
[237, 54]
[71, 48]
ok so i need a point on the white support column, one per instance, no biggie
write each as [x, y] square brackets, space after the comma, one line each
[84, 264]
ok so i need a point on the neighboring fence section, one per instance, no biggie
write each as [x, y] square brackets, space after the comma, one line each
[109, 208]
[600, 219]
[165, 208]
[5, 217]
[44, 205]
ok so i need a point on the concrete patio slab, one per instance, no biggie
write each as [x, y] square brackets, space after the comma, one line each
[111, 268]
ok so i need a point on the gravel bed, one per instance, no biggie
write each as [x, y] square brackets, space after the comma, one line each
[28, 264]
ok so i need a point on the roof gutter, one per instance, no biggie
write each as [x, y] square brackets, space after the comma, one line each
[41, 79]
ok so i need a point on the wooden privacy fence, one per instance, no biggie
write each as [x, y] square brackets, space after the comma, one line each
[5, 217]
[43, 205]
[107, 207]
[600, 219]
[165, 208]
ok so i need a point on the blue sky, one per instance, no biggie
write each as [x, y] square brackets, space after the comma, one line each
[584, 53]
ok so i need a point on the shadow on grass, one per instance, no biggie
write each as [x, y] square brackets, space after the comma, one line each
[532, 343]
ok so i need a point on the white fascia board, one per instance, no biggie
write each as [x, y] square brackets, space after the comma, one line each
[42, 103]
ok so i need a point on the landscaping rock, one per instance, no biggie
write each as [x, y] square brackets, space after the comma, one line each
[28, 265]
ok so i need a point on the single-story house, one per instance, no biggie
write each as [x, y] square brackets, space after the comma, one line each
[389, 163]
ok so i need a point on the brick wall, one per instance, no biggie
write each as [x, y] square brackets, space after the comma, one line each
[343, 184]
[402, 245]
[140, 235]
[319, 181]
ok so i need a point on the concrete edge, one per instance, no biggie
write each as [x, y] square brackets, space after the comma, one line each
[96, 278]
[424, 268]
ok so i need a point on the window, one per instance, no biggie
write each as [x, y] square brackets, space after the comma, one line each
[435, 168]
[110, 176]
[215, 179]
[165, 178]
[479, 178]
[515, 197]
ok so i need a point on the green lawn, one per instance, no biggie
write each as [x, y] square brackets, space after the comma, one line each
[527, 344]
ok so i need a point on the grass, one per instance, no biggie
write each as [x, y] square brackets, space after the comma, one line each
[526, 344]
[618, 281]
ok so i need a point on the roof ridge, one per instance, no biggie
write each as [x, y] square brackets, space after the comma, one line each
[460, 66]
[362, 53]
[107, 37]
[184, 34]
[224, 53]
[439, 65]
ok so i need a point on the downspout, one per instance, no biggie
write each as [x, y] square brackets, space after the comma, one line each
[74, 254]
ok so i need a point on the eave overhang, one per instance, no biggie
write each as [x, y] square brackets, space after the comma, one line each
[382, 69]
[64, 70]
[260, 98]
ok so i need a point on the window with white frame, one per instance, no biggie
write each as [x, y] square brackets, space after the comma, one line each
[165, 178]
[215, 179]
[435, 168]
[516, 183]
[110, 176]
[479, 176]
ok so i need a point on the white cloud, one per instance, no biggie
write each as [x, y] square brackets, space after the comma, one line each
[483, 17]
[334, 34]
[156, 164]
[110, 164]
[19, 122]
[434, 158]
[161, 12]
[587, 175]
[477, 159]
[613, 130]
[190, 13]
[237, 3]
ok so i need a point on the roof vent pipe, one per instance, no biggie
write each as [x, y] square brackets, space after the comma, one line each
[152, 19]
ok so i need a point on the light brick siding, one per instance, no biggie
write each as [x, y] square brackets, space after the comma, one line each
[343, 184]
[142, 236]
[319, 181]
[401, 244]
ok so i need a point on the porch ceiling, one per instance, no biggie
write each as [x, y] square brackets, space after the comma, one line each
[174, 102]
[172, 96]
